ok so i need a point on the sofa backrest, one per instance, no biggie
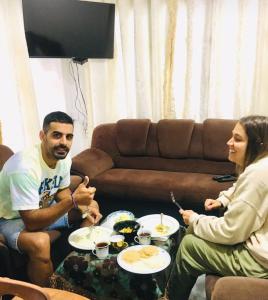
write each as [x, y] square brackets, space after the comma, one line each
[167, 145]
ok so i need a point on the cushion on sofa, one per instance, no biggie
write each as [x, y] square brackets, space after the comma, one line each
[131, 136]
[216, 133]
[174, 137]
[103, 137]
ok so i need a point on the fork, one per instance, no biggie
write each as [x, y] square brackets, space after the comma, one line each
[174, 200]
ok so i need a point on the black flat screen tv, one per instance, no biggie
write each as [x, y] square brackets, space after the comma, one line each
[69, 28]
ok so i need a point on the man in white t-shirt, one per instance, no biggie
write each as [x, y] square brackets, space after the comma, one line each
[35, 198]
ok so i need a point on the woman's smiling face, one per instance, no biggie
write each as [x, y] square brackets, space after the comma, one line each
[238, 145]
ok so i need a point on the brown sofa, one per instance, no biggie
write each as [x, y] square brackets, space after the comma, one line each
[135, 163]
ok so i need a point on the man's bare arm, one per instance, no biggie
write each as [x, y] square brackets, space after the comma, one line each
[38, 219]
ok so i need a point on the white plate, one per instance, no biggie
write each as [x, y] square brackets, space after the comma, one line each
[117, 216]
[153, 264]
[151, 221]
[86, 237]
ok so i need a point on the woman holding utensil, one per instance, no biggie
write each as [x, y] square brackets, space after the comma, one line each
[236, 243]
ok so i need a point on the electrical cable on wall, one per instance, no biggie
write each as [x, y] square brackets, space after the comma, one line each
[79, 102]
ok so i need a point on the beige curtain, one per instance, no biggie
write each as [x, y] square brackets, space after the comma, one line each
[183, 59]
[168, 100]
[172, 59]
[220, 59]
[18, 105]
[259, 102]
[1, 139]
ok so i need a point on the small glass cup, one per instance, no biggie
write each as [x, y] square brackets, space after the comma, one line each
[101, 250]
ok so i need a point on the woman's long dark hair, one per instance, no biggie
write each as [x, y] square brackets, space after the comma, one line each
[256, 128]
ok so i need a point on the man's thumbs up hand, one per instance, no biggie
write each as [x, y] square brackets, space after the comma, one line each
[85, 181]
[83, 195]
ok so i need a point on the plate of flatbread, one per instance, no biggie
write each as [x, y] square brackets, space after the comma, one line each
[143, 259]
[86, 237]
[153, 223]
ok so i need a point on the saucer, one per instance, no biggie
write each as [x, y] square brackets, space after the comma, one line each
[118, 249]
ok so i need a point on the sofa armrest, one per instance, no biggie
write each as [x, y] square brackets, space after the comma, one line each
[91, 162]
[240, 288]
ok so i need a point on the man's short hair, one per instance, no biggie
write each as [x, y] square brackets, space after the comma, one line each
[56, 116]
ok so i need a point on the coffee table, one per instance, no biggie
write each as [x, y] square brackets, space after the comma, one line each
[85, 274]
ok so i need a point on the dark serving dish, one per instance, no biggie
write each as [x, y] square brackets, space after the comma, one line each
[128, 228]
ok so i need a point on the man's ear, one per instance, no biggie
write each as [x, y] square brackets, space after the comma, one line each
[42, 135]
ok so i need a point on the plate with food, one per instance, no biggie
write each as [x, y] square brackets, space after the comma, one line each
[143, 259]
[86, 237]
[117, 216]
[167, 227]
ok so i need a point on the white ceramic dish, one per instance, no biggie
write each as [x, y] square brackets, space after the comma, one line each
[153, 264]
[117, 216]
[86, 237]
[151, 222]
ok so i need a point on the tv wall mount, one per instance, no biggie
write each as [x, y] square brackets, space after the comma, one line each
[79, 60]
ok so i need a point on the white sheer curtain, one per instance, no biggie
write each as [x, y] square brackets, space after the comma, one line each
[18, 113]
[173, 59]
[216, 58]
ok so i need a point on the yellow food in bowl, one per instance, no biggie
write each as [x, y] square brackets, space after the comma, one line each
[126, 230]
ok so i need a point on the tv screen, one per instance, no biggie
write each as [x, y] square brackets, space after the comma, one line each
[69, 28]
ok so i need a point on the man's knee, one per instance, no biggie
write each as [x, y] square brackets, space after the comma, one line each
[36, 245]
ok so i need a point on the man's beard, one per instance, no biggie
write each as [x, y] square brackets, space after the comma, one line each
[60, 152]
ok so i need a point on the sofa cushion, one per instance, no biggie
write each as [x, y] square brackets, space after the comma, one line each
[131, 136]
[174, 137]
[216, 133]
[128, 185]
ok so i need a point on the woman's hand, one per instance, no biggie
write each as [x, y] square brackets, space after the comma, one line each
[211, 204]
[186, 214]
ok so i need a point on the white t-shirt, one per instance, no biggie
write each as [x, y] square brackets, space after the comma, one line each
[26, 182]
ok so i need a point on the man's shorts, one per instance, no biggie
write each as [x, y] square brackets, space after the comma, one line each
[12, 228]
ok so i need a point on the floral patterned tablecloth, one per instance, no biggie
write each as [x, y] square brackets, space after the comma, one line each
[85, 274]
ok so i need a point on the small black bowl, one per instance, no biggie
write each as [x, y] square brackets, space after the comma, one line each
[125, 226]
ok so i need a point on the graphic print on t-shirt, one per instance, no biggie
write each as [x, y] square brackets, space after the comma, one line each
[47, 190]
